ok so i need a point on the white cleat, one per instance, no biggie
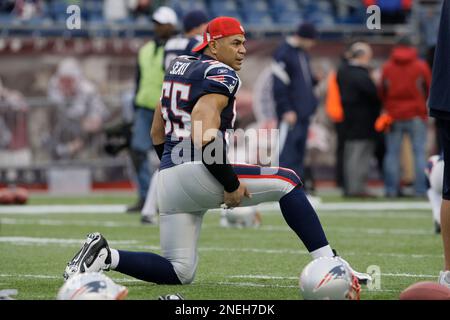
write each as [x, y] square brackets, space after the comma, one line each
[444, 278]
[363, 278]
[94, 256]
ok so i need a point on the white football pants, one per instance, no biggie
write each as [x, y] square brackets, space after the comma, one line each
[188, 190]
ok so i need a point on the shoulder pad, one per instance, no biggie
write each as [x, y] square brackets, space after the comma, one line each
[223, 74]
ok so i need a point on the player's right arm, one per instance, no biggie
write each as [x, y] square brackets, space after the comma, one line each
[205, 120]
[157, 131]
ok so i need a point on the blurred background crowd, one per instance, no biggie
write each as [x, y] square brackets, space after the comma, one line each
[62, 91]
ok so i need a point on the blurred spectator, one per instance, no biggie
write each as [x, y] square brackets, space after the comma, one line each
[427, 13]
[293, 89]
[14, 143]
[27, 9]
[361, 108]
[194, 25]
[80, 110]
[335, 112]
[150, 74]
[405, 86]
[118, 10]
[7, 6]
[143, 9]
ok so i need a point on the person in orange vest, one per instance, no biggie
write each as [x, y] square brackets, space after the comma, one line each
[335, 112]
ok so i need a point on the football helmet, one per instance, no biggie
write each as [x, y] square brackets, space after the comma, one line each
[91, 286]
[241, 217]
[328, 278]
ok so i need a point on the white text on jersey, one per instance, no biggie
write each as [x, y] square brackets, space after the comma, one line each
[179, 68]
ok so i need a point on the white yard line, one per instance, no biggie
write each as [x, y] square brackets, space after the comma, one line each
[259, 285]
[135, 245]
[268, 228]
[58, 223]
[115, 209]
[268, 277]
[46, 241]
[127, 280]
[374, 231]
[63, 209]
[360, 206]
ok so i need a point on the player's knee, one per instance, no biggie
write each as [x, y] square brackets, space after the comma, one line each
[185, 270]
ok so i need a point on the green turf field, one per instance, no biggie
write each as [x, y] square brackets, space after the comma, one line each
[261, 263]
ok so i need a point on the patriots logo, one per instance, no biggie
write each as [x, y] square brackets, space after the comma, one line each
[228, 81]
[335, 273]
[93, 286]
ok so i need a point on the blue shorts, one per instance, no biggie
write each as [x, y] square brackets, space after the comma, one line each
[443, 126]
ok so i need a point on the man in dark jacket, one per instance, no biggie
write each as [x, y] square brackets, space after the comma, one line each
[361, 108]
[439, 104]
[294, 97]
[405, 84]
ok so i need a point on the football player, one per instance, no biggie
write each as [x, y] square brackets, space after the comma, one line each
[194, 24]
[439, 105]
[189, 133]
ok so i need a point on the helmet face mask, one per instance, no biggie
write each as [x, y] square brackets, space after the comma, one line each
[328, 279]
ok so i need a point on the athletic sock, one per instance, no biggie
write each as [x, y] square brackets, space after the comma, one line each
[302, 218]
[322, 252]
[114, 258]
[147, 266]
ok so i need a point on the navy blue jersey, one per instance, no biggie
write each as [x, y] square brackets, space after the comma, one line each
[180, 46]
[187, 79]
[439, 101]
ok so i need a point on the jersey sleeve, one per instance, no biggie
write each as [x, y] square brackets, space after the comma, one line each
[221, 79]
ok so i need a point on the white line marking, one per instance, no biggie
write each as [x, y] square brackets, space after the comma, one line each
[225, 283]
[374, 231]
[136, 246]
[51, 222]
[269, 228]
[251, 284]
[270, 206]
[362, 206]
[267, 277]
[45, 241]
[63, 209]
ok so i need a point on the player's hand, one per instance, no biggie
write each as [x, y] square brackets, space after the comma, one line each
[290, 117]
[233, 199]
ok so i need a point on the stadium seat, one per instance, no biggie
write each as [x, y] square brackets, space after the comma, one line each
[289, 18]
[283, 6]
[6, 18]
[181, 7]
[258, 18]
[58, 11]
[321, 18]
[225, 6]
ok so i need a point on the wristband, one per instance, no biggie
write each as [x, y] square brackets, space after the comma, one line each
[159, 148]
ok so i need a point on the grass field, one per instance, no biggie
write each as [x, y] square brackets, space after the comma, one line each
[261, 263]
